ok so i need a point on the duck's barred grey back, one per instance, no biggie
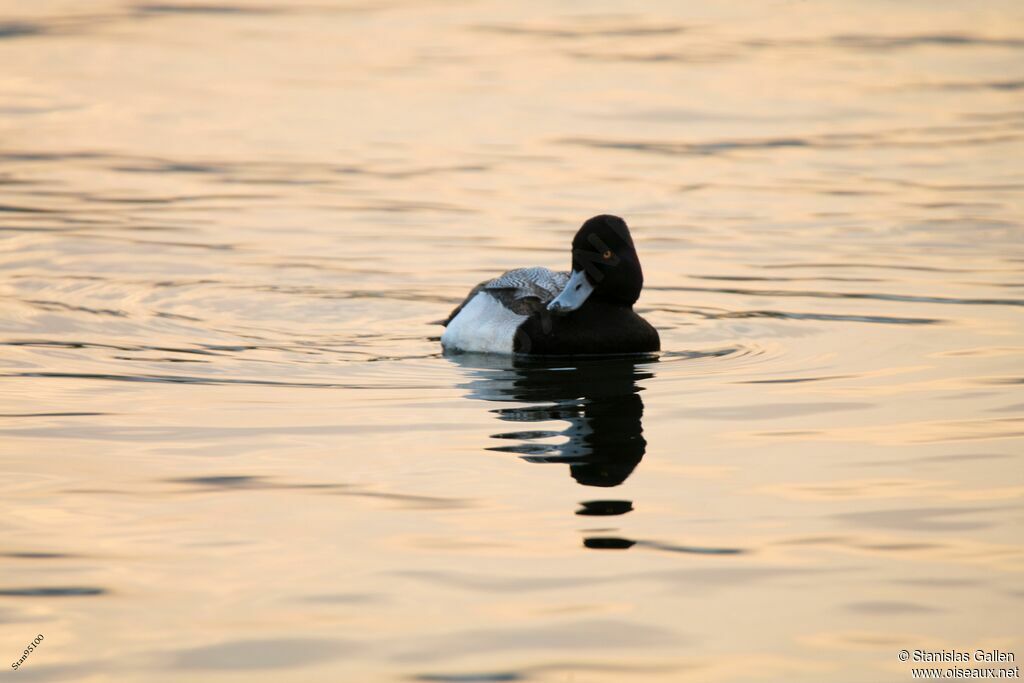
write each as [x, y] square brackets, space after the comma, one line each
[520, 290]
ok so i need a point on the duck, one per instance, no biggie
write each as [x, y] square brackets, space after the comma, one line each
[535, 311]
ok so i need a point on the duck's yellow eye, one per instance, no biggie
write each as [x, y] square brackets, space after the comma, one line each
[607, 254]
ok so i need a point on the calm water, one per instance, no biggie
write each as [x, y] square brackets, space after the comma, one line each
[232, 449]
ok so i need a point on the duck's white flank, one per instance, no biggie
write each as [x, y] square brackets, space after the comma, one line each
[483, 325]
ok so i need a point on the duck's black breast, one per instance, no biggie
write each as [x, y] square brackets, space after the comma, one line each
[596, 327]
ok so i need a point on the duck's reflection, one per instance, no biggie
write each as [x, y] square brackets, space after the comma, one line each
[599, 398]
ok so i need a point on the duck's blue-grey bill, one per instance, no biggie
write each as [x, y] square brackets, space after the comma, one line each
[573, 295]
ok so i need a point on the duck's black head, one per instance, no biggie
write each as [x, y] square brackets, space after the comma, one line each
[604, 266]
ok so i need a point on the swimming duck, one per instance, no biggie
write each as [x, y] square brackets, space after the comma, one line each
[542, 312]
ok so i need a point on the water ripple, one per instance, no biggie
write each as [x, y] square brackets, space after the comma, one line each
[907, 298]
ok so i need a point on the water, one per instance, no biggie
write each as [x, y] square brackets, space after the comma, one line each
[233, 451]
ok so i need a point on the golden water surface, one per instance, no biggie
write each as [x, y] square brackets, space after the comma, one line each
[231, 447]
